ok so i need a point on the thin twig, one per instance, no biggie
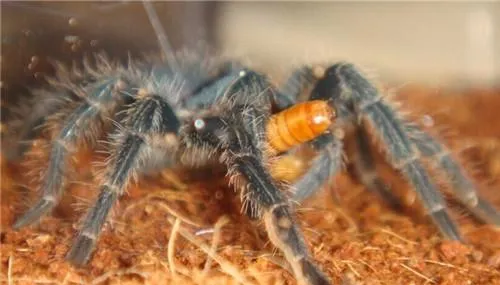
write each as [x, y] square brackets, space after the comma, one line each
[162, 205]
[349, 264]
[386, 231]
[225, 265]
[417, 273]
[171, 248]
[174, 179]
[215, 241]
[9, 270]
[161, 35]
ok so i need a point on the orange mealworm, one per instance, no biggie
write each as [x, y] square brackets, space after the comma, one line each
[298, 124]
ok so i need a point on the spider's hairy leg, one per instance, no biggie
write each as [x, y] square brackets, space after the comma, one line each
[262, 193]
[462, 185]
[32, 124]
[289, 93]
[364, 169]
[149, 117]
[350, 89]
[277, 215]
[101, 99]
[243, 157]
[326, 164]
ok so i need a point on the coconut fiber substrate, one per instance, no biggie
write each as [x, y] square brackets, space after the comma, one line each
[184, 226]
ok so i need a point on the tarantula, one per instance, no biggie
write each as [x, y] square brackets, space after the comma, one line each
[192, 108]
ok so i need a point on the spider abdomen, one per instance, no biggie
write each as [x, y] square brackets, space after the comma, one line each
[298, 124]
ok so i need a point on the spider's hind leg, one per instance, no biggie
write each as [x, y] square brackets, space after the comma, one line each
[326, 164]
[347, 87]
[295, 85]
[365, 171]
[33, 122]
[462, 185]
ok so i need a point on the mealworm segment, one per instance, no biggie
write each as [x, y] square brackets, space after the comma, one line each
[298, 124]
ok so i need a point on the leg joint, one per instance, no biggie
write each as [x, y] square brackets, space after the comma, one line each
[372, 101]
[400, 164]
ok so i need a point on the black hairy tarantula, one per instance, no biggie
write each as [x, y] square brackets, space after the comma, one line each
[192, 108]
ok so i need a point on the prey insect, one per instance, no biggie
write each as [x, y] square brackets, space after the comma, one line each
[298, 124]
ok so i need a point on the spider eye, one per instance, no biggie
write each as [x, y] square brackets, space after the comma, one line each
[207, 125]
[199, 124]
[209, 130]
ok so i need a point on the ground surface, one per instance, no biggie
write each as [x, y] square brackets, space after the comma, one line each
[361, 241]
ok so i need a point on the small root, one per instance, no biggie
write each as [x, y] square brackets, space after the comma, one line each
[225, 265]
[171, 248]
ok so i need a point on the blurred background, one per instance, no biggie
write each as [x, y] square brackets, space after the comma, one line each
[449, 45]
[432, 43]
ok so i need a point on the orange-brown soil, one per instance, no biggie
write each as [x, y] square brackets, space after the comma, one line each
[185, 227]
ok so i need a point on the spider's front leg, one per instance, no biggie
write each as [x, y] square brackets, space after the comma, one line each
[346, 87]
[233, 133]
[99, 100]
[148, 120]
